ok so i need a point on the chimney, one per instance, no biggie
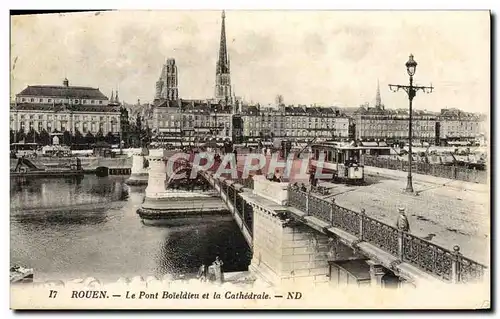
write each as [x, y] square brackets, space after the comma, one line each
[66, 82]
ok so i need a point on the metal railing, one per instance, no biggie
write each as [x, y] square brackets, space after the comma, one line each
[450, 172]
[448, 265]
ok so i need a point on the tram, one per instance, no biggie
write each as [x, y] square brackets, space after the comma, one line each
[344, 162]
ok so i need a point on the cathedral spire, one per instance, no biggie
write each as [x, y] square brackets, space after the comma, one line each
[378, 99]
[112, 99]
[222, 75]
[223, 61]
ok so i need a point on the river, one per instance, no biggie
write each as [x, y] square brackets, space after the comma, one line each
[110, 242]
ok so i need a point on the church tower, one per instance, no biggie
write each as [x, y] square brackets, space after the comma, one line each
[222, 74]
[378, 99]
[166, 86]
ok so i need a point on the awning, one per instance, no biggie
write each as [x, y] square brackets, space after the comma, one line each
[252, 144]
[367, 144]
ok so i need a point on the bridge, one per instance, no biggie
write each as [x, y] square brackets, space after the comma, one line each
[298, 237]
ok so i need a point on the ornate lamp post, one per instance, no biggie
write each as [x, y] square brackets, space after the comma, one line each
[411, 90]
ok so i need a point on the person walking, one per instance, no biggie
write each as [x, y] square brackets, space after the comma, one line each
[403, 223]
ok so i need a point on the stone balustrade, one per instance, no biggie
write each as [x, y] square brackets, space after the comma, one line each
[274, 191]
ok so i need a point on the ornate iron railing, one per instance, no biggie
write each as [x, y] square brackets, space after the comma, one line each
[320, 209]
[248, 217]
[246, 182]
[297, 199]
[427, 256]
[450, 172]
[231, 192]
[381, 235]
[436, 260]
[469, 270]
[345, 219]
[242, 208]
[239, 204]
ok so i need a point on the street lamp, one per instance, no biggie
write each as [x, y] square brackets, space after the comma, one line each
[411, 90]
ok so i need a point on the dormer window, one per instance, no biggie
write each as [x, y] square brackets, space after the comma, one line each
[32, 100]
[23, 100]
[100, 102]
[92, 102]
[76, 101]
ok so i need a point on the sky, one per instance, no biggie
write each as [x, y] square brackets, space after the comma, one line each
[330, 58]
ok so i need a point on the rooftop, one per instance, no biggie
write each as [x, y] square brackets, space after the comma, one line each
[61, 91]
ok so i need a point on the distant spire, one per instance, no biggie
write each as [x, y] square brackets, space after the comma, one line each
[223, 62]
[112, 99]
[117, 99]
[222, 74]
[378, 99]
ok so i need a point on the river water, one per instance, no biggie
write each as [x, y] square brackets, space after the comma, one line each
[108, 241]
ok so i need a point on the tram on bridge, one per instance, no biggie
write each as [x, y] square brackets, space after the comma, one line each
[343, 161]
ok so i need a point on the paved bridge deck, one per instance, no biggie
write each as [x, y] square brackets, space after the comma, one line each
[448, 214]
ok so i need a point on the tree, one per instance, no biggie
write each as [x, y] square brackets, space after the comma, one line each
[31, 136]
[138, 124]
[89, 138]
[99, 136]
[20, 135]
[66, 138]
[124, 124]
[110, 138]
[44, 137]
[78, 137]
[146, 136]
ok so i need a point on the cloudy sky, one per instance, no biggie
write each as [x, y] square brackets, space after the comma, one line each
[328, 57]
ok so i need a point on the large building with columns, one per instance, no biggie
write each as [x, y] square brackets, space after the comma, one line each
[64, 108]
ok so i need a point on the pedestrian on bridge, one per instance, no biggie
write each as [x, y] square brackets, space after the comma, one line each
[403, 223]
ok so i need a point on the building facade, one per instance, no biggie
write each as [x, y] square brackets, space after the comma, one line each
[393, 125]
[297, 123]
[166, 86]
[192, 121]
[64, 108]
[379, 123]
[456, 125]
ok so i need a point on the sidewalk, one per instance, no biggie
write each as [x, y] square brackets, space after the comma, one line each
[460, 185]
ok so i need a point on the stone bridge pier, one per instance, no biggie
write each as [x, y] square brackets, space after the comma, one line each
[139, 172]
[285, 252]
[288, 252]
[173, 206]
[157, 177]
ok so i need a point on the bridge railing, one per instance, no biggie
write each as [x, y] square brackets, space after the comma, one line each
[450, 172]
[448, 265]
[232, 192]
